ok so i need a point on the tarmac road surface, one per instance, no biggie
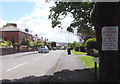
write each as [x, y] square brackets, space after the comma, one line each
[17, 66]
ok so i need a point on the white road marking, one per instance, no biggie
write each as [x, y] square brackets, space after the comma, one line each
[17, 66]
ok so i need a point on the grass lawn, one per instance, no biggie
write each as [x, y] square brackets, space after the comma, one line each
[88, 61]
[78, 53]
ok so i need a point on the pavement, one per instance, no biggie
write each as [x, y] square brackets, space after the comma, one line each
[69, 69]
[70, 62]
[72, 69]
[18, 54]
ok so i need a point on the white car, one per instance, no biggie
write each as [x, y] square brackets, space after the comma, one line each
[43, 49]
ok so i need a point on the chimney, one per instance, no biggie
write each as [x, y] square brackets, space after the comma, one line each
[26, 30]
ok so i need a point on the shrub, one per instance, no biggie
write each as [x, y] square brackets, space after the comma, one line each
[82, 49]
[91, 44]
[41, 44]
[77, 49]
[3, 45]
[25, 42]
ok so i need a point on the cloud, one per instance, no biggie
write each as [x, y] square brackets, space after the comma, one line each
[38, 23]
[2, 22]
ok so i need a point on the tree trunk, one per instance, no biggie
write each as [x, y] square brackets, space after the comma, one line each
[107, 14]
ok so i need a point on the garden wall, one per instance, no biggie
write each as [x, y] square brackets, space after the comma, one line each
[5, 51]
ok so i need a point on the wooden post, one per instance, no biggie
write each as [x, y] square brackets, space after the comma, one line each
[95, 70]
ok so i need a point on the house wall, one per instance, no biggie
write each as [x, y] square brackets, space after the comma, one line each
[9, 35]
[23, 35]
[0, 34]
[18, 36]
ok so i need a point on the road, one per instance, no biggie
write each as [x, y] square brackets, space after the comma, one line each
[37, 64]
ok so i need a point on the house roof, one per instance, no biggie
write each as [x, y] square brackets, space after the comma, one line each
[35, 36]
[12, 28]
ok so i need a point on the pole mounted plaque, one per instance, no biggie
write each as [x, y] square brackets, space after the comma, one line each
[110, 38]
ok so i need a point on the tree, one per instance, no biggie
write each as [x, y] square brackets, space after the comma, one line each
[81, 12]
[107, 14]
[8, 24]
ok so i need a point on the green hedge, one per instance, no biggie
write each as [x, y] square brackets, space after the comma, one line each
[91, 44]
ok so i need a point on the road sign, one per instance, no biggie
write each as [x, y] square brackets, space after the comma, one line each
[110, 38]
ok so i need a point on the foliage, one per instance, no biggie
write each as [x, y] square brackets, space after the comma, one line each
[41, 44]
[94, 52]
[78, 53]
[91, 43]
[7, 24]
[81, 13]
[31, 43]
[70, 45]
[8, 43]
[77, 46]
[25, 42]
[74, 44]
[17, 44]
[5, 43]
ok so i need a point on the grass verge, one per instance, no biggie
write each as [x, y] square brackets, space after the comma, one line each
[88, 61]
[78, 53]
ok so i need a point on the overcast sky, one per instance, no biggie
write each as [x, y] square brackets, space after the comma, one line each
[33, 14]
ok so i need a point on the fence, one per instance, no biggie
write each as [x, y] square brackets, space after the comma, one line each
[5, 51]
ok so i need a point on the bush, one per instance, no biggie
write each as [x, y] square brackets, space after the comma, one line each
[82, 49]
[3, 45]
[41, 44]
[25, 42]
[77, 49]
[91, 44]
[94, 52]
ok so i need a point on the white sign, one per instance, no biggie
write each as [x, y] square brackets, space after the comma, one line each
[110, 38]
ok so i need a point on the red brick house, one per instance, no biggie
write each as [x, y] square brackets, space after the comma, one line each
[13, 32]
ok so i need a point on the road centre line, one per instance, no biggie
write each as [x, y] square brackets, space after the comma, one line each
[17, 66]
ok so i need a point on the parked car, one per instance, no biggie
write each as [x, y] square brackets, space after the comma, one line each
[43, 49]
